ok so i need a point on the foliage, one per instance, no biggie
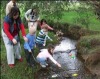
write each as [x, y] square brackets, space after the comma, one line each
[88, 43]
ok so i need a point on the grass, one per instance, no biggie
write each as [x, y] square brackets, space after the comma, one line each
[21, 70]
[71, 16]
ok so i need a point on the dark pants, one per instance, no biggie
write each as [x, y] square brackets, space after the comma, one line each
[39, 46]
[29, 58]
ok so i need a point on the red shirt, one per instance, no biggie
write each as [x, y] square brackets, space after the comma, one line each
[11, 35]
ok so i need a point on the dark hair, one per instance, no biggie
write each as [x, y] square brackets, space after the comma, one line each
[14, 10]
[32, 11]
[14, 4]
[43, 20]
[50, 46]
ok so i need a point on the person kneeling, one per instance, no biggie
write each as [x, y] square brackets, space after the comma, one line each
[46, 54]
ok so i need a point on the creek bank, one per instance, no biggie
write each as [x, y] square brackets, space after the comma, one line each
[88, 45]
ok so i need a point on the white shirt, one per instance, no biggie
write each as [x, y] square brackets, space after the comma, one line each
[45, 54]
[29, 16]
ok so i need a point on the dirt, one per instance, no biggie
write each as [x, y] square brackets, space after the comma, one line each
[90, 60]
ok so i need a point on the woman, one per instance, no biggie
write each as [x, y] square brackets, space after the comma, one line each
[11, 26]
[32, 17]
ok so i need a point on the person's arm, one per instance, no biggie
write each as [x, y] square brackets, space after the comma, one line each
[54, 61]
[27, 13]
[7, 9]
[23, 32]
[34, 41]
[50, 28]
[28, 47]
[48, 38]
[6, 30]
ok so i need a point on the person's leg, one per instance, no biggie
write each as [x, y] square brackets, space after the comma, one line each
[39, 46]
[9, 49]
[33, 60]
[17, 50]
[42, 61]
[27, 55]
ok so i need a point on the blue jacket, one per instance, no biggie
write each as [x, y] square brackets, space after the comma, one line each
[31, 42]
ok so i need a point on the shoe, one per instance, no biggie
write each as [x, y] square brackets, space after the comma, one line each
[46, 64]
[43, 66]
[11, 65]
[20, 60]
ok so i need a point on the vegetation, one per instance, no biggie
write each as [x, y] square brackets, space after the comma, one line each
[78, 13]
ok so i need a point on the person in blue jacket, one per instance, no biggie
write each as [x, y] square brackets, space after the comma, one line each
[29, 46]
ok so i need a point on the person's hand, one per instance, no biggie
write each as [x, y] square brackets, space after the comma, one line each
[28, 20]
[30, 52]
[58, 65]
[14, 41]
[44, 44]
[35, 46]
[25, 39]
[51, 40]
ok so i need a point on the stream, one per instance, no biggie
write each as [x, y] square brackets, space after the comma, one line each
[65, 53]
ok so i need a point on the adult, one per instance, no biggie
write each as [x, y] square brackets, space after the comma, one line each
[11, 26]
[32, 17]
[9, 5]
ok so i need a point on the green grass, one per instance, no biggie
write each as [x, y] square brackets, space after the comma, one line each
[71, 16]
[21, 70]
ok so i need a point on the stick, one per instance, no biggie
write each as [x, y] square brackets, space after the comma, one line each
[34, 58]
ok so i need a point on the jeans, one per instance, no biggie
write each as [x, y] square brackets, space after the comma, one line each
[42, 61]
[39, 46]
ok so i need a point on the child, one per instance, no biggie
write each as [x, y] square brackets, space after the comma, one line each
[42, 37]
[43, 22]
[29, 46]
[46, 53]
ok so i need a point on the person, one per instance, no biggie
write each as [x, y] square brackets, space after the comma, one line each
[11, 26]
[32, 17]
[46, 54]
[29, 46]
[44, 22]
[42, 37]
[9, 5]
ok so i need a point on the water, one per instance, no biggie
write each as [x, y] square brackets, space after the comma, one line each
[71, 68]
